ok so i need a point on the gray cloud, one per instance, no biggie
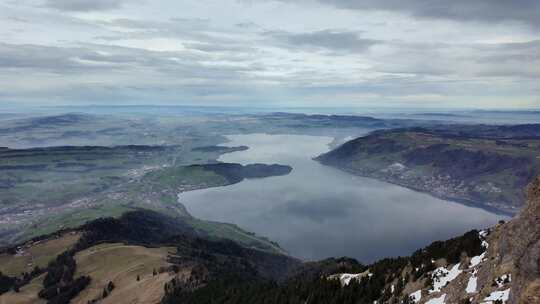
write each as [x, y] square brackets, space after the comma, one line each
[329, 55]
[329, 40]
[92, 57]
[199, 33]
[104, 73]
[526, 11]
[85, 5]
[218, 47]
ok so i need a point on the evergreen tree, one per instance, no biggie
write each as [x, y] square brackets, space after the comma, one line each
[110, 286]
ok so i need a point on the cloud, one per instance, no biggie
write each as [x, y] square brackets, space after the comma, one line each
[195, 33]
[218, 47]
[526, 11]
[103, 58]
[328, 40]
[93, 72]
[85, 5]
[338, 53]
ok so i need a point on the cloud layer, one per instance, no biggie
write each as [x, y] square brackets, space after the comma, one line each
[526, 11]
[84, 5]
[306, 52]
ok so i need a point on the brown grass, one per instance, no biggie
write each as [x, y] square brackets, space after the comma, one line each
[36, 255]
[27, 295]
[121, 264]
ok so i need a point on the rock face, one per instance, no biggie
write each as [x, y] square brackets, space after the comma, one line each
[520, 246]
[509, 270]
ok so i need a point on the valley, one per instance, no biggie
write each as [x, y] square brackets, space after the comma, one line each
[327, 212]
[270, 152]
[147, 255]
[246, 208]
[61, 170]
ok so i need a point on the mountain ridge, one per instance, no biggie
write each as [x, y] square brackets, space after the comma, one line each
[466, 164]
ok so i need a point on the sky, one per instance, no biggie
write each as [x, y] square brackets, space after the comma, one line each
[387, 53]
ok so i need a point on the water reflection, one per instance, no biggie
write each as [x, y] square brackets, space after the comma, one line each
[318, 211]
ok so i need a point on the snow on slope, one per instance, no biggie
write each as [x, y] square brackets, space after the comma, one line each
[497, 295]
[441, 276]
[416, 296]
[471, 285]
[345, 278]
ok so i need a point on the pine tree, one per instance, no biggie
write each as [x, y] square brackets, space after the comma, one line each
[110, 286]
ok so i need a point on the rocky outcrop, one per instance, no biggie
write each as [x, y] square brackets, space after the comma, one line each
[509, 270]
[505, 271]
[520, 246]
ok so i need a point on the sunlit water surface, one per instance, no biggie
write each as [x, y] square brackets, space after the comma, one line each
[318, 211]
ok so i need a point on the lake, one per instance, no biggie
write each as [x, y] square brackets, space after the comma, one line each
[318, 211]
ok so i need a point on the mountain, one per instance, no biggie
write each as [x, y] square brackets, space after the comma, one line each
[147, 257]
[496, 265]
[130, 258]
[485, 166]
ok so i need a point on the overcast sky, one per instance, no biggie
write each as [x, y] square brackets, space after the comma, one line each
[417, 53]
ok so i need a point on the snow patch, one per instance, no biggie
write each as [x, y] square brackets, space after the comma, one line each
[483, 234]
[442, 276]
[416, 296]
[504, 279]
[345, 278]
[497, 295]
[471, 285]
[476, 260]
[439, 300]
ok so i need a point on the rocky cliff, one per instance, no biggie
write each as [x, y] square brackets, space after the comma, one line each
[519, 246]
[507, 272]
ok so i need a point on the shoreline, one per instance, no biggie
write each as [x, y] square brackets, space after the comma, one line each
[462, 201]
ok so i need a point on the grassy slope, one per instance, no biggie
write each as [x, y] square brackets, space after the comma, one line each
[36, 255]
[27, 295]
[119, 256]
[121, 264]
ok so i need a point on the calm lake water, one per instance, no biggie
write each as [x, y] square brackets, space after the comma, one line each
[318, 211]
